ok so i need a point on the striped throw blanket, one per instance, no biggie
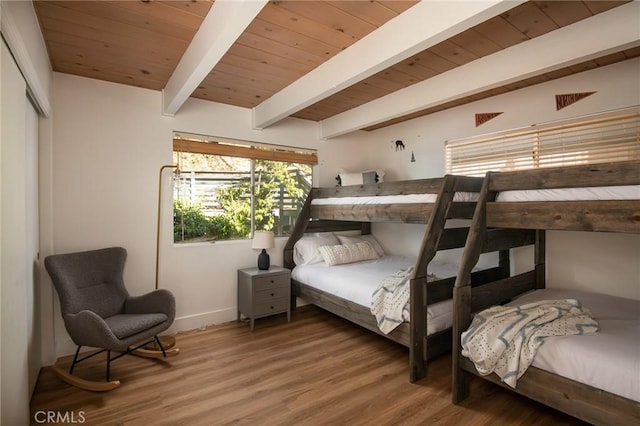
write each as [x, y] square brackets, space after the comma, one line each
[390, 301]
[504, 339]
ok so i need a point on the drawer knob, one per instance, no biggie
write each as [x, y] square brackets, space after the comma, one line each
[271, 294]
[272, 308]
[272, 281]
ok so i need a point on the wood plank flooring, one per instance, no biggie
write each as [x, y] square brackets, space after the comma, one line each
[316, 370]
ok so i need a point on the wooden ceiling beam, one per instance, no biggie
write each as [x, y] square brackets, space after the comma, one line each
[608, 32]
[225, 22]
[420, 27]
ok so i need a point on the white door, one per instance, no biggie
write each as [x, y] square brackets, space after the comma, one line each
[16, 278]
[33, 245]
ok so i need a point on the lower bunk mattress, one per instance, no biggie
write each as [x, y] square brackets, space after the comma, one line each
[608, 359]
[357, 282]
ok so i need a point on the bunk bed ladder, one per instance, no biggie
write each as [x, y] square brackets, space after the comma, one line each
[418, 353]
[476, 239]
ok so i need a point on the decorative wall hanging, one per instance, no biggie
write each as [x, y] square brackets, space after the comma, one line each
[413, 157]
[399, 145]
[567, 99]
[485, 116]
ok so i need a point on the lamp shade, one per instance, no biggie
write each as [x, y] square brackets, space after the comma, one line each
[263, 240]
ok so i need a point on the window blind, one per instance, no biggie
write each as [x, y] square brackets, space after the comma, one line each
[234, 148]
[598, 138]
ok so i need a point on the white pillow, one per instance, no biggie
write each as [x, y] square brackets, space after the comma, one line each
[347, 253]
[305, 251]
[379, 174]
[347, 179]
[351, 239]
[359, 178]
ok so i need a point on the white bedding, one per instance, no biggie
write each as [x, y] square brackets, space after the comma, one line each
[627, 192]
[609, 359]
[393, 199]
[357, 282]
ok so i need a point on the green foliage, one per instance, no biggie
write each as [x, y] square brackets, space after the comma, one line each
[271, 178]
[236, 202]
[190, 224]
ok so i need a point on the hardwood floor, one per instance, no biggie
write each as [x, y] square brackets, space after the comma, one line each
[316, 370]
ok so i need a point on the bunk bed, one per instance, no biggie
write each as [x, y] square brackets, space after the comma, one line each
[497, 208]
[425, 201]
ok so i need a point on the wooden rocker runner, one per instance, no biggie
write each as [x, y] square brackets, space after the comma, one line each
[98, 312]
[102, 386]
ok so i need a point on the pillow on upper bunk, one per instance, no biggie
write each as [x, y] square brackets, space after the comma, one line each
[346, 178]
[305, 251]
[347, 253]
[351, 239]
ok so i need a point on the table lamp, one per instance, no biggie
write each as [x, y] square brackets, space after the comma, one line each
[263, 240]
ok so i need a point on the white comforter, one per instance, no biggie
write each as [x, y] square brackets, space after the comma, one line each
[357, 282]
[609, 359]
[505, 339]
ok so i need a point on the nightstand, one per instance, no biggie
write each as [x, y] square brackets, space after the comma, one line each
[264, 293]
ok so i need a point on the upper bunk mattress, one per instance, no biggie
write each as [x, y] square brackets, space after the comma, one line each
[356, 282]
[608, 359]
[626, 192]
[393, 199]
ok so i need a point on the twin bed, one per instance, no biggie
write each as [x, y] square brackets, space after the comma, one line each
[595, 376]
[502, 220]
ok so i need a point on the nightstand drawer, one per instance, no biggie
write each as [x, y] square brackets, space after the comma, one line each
[271, 307]
[270, 294]
[269, 282]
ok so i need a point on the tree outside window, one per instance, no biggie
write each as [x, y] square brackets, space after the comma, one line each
[219, 197]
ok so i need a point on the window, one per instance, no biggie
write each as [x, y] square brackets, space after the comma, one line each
[598, 138]
[226, 189]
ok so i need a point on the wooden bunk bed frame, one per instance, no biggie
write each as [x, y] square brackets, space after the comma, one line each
[574, 398]
[336, 218]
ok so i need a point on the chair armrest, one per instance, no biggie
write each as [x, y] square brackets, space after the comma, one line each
[86, 328]
[157, 301]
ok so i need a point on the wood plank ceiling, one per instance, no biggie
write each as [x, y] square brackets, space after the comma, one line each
[140, 43]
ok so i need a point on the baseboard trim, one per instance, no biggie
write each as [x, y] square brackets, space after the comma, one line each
[202, 320]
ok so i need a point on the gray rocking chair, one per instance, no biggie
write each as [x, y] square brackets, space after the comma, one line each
[98, 311]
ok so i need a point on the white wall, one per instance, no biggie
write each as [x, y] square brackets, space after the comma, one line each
[109, 142]
[574, 259]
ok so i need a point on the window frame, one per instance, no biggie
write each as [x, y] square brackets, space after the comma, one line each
[252, 151]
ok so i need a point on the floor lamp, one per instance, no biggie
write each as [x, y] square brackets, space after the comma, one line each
[167, 341]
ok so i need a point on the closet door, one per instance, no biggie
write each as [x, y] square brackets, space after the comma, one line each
[15, 275]
[32, 245]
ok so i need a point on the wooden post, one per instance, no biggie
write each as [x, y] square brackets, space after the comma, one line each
[461, 320]
[418, 329]
[504, 263]
[540, 266]
[302, 221]
[462, 291]
[418, 289]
